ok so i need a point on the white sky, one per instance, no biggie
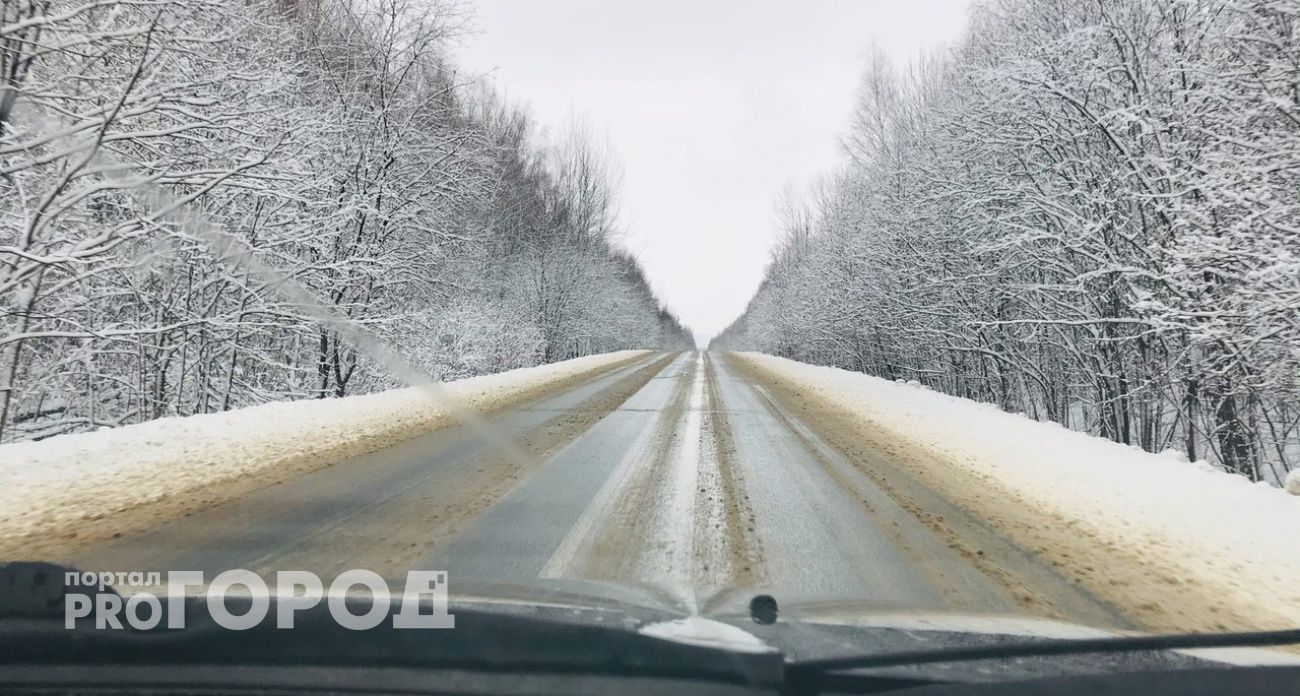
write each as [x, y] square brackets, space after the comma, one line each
[710, 107]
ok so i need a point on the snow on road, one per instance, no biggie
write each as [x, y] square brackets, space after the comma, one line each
[1179, 545]
[676, 510]
[54, 485]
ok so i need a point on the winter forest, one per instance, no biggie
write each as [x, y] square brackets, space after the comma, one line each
[1088, 212]
[194, 194]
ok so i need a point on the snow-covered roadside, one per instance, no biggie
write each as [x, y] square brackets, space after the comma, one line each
[49, 486]
[1179, 546]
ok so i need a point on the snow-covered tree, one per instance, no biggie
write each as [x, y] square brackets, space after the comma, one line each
[196, 196]
[1086, 212]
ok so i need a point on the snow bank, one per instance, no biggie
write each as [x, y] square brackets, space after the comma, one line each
[1292, 482]
[1189, 526]
[46, 485]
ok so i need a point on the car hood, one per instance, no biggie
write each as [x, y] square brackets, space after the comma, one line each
[577, 622]
[813, 625]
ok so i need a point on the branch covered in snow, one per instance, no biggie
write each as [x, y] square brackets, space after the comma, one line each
[330, 141]
[1085, 212]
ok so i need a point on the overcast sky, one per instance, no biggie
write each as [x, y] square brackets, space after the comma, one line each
[710, 106]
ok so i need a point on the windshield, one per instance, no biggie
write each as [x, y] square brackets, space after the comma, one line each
[970, 316]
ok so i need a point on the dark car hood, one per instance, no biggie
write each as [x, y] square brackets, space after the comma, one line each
[574, 624]
[819, 625]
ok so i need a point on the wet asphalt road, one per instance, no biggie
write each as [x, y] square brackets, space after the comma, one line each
[675, 471]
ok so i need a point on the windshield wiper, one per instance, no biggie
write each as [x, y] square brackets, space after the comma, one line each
[1044, 648]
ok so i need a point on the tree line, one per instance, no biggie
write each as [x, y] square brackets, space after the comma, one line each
[1085, 211]
[195, 193]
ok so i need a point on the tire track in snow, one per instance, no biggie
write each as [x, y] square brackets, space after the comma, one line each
[609, 540]
[672, 516]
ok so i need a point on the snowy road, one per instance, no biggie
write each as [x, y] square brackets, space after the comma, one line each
[677, 470]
